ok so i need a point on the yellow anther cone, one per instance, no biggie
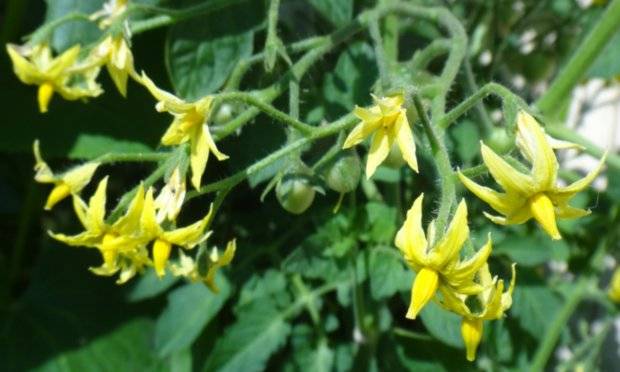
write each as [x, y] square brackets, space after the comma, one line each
[424, 288]
[161, 253]
[46, 91]
[544, 212]
[471, 330]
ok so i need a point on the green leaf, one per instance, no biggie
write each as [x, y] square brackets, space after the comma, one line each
[271, 286]
[202, 52]
[320, 359]
[607, 64]
[126, 348]
[351, 81]
[337, 12]
[260, 330]
[189, 310]
[535, 306]
[150, 285]
[76, 32]
[533, 250]
[387, 273]
[381, 222]
[467, 138]
[90, 146]
[443, 325]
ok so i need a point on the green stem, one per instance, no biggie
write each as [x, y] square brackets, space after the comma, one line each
[485, 119]
[254, 100]
[413, 335]
[272, 42]
[422, 58]
[444, 168]
[490, 88]
[309, 300]
[343, 123]
[591, 148]
[380, 57]
[167, 17]
[138, 157]
[558, 324]
[582, 59]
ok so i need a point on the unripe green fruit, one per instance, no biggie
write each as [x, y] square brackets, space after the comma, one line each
[499, 141]
[295, 193]
[344, 175]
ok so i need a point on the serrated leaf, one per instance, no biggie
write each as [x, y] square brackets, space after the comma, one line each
[381, 222]
[202, 52]
[535, 306]
[351, 81]
[387, 273]
[189, 310]
[320, 359]
[337, 12]
[271, 286]
[90, 146]
[260, 330]
[443, 325]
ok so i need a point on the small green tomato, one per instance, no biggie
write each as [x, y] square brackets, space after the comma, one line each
[295, 193]
[344, 175]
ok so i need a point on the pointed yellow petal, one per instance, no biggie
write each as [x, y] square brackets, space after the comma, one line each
[64, 61]
[85, 239]
[405, 140]
[223, 260]
[423, 289]
[59, 192]
[449, 246]
[410, 239]
[505, 175]
[569, 191]
[532, 141]
[190, 236]
[129, 223]
[466, 270]
[169, 102]
[96, 206]
[379, 150]
[360, 132]
[212, 147]
[199, 155]
[367, 115]
[544, 212]
[45, 93]
[471, 330]
[78, 177]
[148, 220]
[161, 253]
[27, 72]
[43, 172]
[566, 211]
[501, 202]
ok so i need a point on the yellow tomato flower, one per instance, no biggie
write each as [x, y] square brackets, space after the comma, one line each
[534, 195]
[117, 56]
[204, 271]
[68, 183]
[437, 262]
[120, 244]
[387, 122]
[614, 287]
[187, 237]
[170, 199]
[492, 301]
[189, 125]
[36, 66]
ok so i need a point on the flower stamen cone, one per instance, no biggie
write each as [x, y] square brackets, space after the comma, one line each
[543, 211]
[423, 289]
[471, 331]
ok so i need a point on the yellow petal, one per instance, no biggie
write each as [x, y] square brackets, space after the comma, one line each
[148, 220]
[471, 331]
[78, 177]
[224, 260]
[58, 193]
[43, 172]
[27, 72]
[449, 246]
[569, 191]
[410, 238]
[614, 286]
[96, 206]
[532, 141]
[379, 150]
[501, 202]
[505, 175]
[130, 222]
[199, 155]
[60, 64]
[367, 115]
[544, 212]
[45, 93]
[161, 253]
[369, 124]
[507, 296]
[169, 102]
[466, 270]
[423, 289]
[190, 236]
[566, 211]
[212, 147]
[405, 140]
[85, 239]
